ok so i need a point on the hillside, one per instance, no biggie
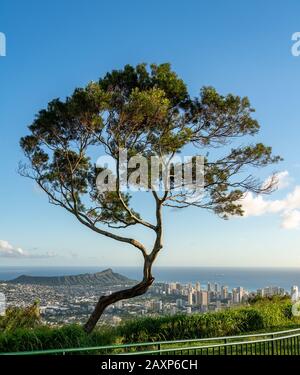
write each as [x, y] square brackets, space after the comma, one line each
[103, 278]
[21, 330]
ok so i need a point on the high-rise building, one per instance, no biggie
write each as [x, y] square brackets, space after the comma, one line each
[198, 287]
[241, 292]
[272, 291]
[171, 288]
[224, 292]
[294, 293]
[203, 298]
[235, 296]
[209, 287]
[216, 288]
[198, 298]
[190, 298]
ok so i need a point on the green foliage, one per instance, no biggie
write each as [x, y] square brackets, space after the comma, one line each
[148, 111]
[263, 315]
[16, 317]
[44, 337]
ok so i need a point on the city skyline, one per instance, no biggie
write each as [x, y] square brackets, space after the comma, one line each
[67, 304]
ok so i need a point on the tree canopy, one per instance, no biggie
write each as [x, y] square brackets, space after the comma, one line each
[147, 111]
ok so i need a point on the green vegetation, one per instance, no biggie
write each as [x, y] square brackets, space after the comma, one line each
[16, 318]
[42, 338]
[261, 315]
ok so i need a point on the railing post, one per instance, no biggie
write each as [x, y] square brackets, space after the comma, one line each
[158, 348]
[225, 347]
[273, 345]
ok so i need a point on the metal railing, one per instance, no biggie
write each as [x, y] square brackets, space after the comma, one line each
[273, 343]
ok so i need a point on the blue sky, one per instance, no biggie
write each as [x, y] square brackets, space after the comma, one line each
[238, 47]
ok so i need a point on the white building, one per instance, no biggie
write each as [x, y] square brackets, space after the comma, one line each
[190, 298]
[235, 296]
[294, 293]
[203, 298]
[209, 287]
[224, 292]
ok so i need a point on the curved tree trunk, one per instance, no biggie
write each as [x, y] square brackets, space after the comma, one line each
[105, 301]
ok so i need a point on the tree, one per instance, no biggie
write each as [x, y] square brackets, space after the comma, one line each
[146, 111]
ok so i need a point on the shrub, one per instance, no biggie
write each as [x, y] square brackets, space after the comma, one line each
[16, 317]
[43, 338]
[261, 315]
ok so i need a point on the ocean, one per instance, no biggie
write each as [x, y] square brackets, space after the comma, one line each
[249, 278]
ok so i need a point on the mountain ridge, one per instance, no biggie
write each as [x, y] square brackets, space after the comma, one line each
[104, 278]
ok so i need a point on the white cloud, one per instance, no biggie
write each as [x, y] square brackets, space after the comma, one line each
[257, 205]
[9, 251]
[291, 219]
[283, 179]
[288, 207]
